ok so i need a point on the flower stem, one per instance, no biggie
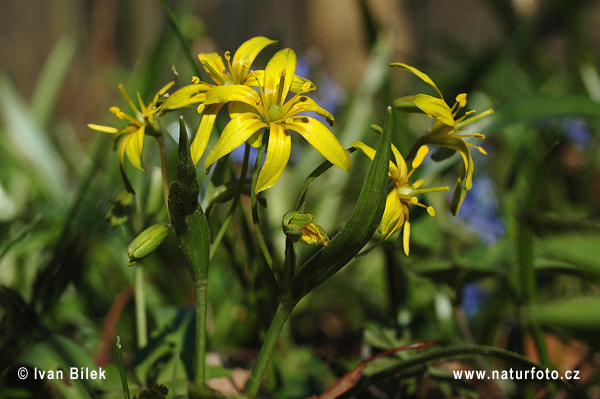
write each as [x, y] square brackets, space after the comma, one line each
[236, 199]
[124, 383]
[140, 307]
[186, 47]
[254, 204]
[201, 295]
[258, 371]
[163, 169]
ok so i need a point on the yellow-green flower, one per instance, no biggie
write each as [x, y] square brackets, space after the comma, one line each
[300, 227]
[446, 129]
[254, 111]
[131, 137]
[237, 72]
[402, 195]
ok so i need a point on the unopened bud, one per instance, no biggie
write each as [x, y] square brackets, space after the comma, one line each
[147, 242]
[302, 227]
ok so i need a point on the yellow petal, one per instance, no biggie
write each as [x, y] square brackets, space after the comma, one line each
[392, 214]
[420, 156]
[187, 95]
[406, 237]
[368, 151]
[204, 130]
[304, 104]
[224, 94]
[245, 55]
[283, 60]
[134, 145]
[278, 154]
[421, 75]
[235, 133]
[214, 67]
[104, 129]
[322, 140]
[298, 85]
[435, 107]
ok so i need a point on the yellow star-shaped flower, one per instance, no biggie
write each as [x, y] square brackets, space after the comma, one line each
[402, 195]
[252, 111]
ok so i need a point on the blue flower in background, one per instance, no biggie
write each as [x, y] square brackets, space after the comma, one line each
[473, 296]
[480, 210]
[577, 131]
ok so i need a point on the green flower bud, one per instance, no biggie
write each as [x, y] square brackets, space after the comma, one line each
[147, 242]
[302, 227]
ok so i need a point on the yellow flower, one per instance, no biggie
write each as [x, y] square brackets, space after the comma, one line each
[253, 111]
[445, 129]
[143, 121]
[237, 72]
[402, 195]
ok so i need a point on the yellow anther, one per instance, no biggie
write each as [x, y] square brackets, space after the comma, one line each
[479, 135]
[423, 150]
[306, 87]
[484, 152]
[227, 55]
[289, 121]
[202, 58]
[201, 108]
[461, 99]
[430, 211]
[195, 80]
[414, 200]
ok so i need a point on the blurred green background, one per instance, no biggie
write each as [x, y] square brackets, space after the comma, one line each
[66, 291]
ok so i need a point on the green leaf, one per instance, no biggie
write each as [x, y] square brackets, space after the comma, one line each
[530, 109]
[193, 235]
[575, 314]
[188, 218]
[358, 230]
[52, 78]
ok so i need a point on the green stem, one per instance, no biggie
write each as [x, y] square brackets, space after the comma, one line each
[124, 383]
[201, 295]
[258, 371]
[236, 199]
[186, 47]
[163, 169]
[254, 204]
[140, 307]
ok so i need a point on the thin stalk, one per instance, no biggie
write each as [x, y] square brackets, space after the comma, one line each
[291, 257]
[140, 307]
[163, 169]
[236, 199]
[201, 298]
[254, 205]
[258, 371]
[124, 383]
[186, 47]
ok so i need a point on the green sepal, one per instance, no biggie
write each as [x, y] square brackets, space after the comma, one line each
[357, 231]
[186, 213]
[458, 196]
[442, 153]
[407, 104]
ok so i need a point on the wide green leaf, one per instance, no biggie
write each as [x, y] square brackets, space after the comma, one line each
[358, 230]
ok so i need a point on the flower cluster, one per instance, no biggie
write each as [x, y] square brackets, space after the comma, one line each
[255, 115]
[261, 115]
